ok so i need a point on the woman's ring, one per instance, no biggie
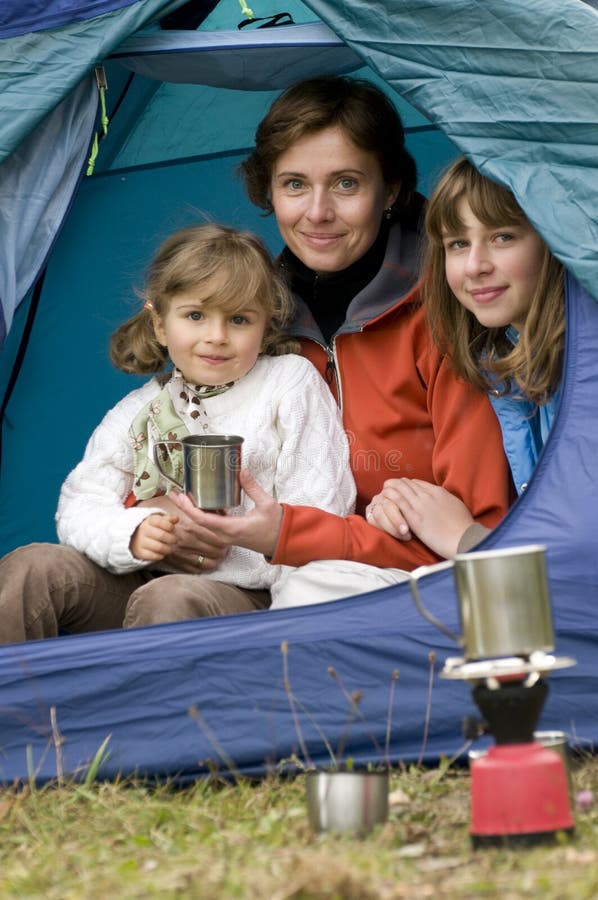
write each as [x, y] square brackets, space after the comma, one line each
[200, 561]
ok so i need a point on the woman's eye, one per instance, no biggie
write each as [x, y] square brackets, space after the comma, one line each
[294, 184]
[347, 184]
[504, 237]
[195, 316]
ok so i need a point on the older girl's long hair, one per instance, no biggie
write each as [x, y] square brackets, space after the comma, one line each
[187, 261]
[484, 356]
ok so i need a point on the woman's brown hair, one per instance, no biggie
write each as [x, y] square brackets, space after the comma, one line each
[366, 115]
[484, 356]
[188, 260]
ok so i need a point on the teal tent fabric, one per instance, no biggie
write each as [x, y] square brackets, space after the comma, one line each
[513, 85]
[40, 69]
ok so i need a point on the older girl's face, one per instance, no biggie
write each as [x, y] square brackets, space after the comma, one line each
[493, 271]
[329, 197]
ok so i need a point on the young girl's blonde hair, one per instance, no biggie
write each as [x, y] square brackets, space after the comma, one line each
[187, 261]
[484, 356]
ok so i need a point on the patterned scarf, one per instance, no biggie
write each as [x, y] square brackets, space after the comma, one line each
[176, 412]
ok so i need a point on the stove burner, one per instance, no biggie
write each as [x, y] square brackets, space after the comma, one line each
[496, 671]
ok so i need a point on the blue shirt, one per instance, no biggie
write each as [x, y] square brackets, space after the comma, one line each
[525, 427]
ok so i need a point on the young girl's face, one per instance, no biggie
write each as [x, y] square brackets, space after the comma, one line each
[493, 271]
[208, 345]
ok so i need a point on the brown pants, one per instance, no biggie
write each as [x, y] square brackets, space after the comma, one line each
[48, 587]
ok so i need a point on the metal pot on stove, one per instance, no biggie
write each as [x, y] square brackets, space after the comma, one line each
[504, 601]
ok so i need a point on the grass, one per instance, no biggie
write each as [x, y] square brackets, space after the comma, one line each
[218, 841]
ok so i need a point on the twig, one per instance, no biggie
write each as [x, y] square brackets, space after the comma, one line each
[229, 762]
[431, 660]
[284, 648]
[325, 740]
[391, 697]
[354, 700]
[443, 769]
[342, 743]
[58, 741]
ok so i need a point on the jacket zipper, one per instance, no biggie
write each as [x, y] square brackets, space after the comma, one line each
[332, 371]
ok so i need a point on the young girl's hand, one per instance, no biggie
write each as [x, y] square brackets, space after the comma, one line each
[191, 543]
[154, 538]
[436, 516]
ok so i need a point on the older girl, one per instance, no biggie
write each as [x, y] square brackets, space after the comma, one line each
[494, 296]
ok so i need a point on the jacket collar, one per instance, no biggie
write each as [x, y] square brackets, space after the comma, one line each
[390, 286]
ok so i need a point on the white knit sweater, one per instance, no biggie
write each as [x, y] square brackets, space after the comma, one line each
[294, 445]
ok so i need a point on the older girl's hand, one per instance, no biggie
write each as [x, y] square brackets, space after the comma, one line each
[256, 530]
[384, 511]
[436, 516]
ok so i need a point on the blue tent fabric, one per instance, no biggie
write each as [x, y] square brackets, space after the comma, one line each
[512, 86]
[40, 68]
[29, 227]
[177, 700]
[47, 101]
[37, 15]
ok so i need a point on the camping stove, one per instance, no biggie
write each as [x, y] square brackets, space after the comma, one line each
[519, 789]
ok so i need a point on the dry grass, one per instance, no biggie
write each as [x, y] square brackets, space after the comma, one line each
[218, 841]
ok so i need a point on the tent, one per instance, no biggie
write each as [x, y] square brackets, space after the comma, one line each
[514, 87]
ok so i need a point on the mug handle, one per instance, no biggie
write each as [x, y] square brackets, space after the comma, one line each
[413, 579]
[176, 483]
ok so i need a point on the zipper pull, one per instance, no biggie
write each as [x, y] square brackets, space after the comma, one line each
[102, 83]
[329, 372]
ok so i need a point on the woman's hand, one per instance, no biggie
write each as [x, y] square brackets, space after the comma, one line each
[436, 516]
[192, 547]
[256, 530]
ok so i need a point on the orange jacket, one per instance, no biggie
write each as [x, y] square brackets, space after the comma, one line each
[406, 415]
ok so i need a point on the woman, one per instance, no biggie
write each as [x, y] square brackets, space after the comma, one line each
[494, 296]
[330, 162]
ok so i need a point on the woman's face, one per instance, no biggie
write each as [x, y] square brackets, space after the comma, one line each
[493, 271]
[329, 198]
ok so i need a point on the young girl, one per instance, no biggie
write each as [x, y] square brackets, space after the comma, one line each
[494, 296]
[213, 306]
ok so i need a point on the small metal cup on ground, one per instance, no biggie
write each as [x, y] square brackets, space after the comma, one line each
[347, 802]
[211, 465]
[559, 742]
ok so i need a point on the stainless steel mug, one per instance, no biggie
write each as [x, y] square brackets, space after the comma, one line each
[504, 601]
[347, 802]
[211, 465]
